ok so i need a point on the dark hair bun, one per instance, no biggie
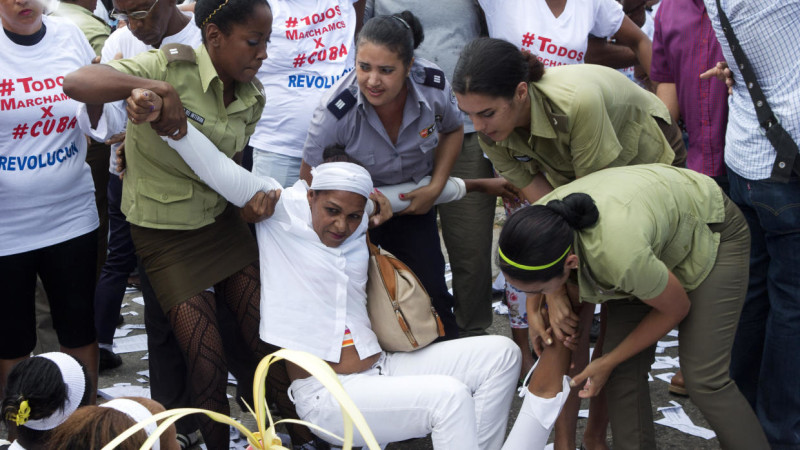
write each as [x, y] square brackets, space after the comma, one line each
[416, 26]
[535, 67]
[577, 209]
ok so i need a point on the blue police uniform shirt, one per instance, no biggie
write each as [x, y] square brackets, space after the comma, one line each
[346, 118]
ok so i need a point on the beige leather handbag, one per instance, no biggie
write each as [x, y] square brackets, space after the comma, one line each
[399, 308]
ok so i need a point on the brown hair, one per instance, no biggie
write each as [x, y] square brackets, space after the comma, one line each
[92, 427]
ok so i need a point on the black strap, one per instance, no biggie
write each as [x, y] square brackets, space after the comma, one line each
[786, 159]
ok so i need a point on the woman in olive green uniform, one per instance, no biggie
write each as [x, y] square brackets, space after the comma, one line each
[188, 237]
[662, 247]
[543, 129]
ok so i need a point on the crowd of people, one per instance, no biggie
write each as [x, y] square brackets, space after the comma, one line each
[241, 154]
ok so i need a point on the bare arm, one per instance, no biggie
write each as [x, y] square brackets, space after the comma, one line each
[305, 172]
[359, 7]
[632, 37]
[669, 95]
[632, 47]
[669, 308]
[537, 188]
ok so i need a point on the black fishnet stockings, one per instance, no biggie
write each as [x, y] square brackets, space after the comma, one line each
[195, 327]
[194, 324]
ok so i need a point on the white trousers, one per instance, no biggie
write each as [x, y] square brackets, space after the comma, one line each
[459, 391]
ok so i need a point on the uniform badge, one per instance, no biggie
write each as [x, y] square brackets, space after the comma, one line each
[342, 103]
[427, 131]
[194, 116]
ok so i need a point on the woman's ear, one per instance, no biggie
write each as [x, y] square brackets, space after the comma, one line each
[408, 69]
[572, 261]
[521, 92]
[213, 34]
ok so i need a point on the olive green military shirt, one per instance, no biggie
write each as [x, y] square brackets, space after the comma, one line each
[653, 219]
[93, 27]
[159, 189]
[584, 118]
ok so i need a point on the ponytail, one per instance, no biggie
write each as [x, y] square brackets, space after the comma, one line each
[495, 68]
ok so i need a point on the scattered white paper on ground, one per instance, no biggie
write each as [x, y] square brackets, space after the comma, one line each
[673, 333]
[659, 349]
[144, 373]
[138, 300]
[667, 344]
[675, 417]
[130, 313]
[597, 308]
[133, 326]
[130, 344]
[584, 413]
[124, 305]
[666, 376]
[122, 332]
[131, 290]
[142, 380]
[146, 356]
[232, 379]
[548, 446]
[500, 308]
[674, 362]
[660, 366]
[124, 391]
[650, 377]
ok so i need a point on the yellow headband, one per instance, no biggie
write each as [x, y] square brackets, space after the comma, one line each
[212, 13]
[524, 267]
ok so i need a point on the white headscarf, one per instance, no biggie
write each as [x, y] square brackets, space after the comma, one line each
[136, 411]
[72, 373]
[342, 176]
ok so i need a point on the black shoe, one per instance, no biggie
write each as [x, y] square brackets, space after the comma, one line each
[109, 360]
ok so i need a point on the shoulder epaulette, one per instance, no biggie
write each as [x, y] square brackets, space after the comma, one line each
[342, 103]
[429, 76]
[178, 52]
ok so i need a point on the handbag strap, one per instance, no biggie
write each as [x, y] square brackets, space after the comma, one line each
[786, 159]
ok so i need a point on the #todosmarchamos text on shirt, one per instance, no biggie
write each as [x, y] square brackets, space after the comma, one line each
[46, 189]
[310, 48]
[530, 25]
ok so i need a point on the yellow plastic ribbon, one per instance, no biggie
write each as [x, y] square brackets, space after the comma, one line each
[22, 415]
[524, 267]
[266, 438]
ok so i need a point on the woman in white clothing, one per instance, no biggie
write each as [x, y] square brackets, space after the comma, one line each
[459, 391]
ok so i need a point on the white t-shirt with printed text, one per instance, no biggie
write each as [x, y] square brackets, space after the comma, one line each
[46, 188]
[530, 25]
[310, 48]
